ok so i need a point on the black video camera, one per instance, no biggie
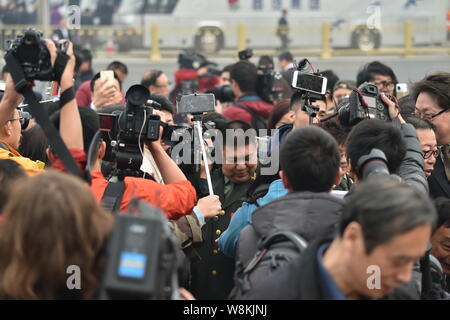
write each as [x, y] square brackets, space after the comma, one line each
[269, 82]
[126, 132]
[144, 257]
[363, 103]
[33, 56]
[224, 93]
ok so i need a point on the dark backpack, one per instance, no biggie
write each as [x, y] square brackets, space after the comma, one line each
[274, 252]
[258, 121]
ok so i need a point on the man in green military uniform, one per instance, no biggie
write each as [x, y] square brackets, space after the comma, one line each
[212, 273]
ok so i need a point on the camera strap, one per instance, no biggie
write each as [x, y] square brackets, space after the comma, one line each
[57, 144]
[112, 198]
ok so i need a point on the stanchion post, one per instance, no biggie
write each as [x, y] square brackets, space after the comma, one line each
[241, 36]
[326, 35]
[155, 53]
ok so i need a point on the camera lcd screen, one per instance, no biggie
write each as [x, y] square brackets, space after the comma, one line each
[309, 82]
[371, 101]
[107, 122]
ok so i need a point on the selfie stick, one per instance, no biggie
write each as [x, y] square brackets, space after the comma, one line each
[205, 158]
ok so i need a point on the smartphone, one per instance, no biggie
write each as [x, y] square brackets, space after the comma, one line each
[197, 103]
[401, 89]
[107, 74]
[309, 82]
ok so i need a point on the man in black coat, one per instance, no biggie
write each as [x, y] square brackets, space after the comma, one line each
[432, 97]
[385, 227]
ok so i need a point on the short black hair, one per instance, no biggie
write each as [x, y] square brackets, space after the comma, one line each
[228, 68]
[34, 144]
[150, 77]
[218, 119]
[443, 210]
[332, 79]
[386, 208]
[97, 76]
[265, 61]
[419, 123]
[286, 56]
[438, 85]
[407, 106]
[245, 74]
[368, 72]
[165, 103]
[297, 98]
[336, 129]
[89, 120]
[310, 159]
[236, 127]
[9, 172]
[117, 65]
[374, 133]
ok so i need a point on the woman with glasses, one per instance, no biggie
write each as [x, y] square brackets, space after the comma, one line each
[427, 140]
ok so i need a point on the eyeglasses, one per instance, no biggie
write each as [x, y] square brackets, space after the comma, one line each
[24, 119]
[428, 153]
[384, 84]
[429, 116]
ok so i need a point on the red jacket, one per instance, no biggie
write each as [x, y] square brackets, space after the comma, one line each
[204, 83]
[252, 102]
[175, 199]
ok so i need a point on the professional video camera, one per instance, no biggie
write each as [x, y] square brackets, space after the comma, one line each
[144, 257]
[363, 103]
[269, 85]
[126, 132]
[33, 56]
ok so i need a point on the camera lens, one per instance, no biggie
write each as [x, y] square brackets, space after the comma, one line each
[137, 95]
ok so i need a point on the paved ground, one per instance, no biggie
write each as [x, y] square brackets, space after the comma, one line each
[406, 69]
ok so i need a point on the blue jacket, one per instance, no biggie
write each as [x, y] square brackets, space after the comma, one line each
[243, 216]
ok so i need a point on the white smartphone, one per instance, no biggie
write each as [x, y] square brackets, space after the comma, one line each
[309, 82]
[107, 74]
[401, 89]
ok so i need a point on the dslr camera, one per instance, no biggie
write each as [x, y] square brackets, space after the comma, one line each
[33, 56]
[126, 132]
[363, 103]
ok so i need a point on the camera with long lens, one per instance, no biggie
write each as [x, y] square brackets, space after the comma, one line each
[269, 83]
[32, 54]
[126, 132]
[363, 103]
[224, 93]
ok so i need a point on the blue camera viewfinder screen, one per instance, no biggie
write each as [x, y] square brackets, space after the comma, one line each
[133, 258]
[132, 265]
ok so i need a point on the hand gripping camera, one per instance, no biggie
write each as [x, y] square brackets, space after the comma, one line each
[363, 103]
[33, 56]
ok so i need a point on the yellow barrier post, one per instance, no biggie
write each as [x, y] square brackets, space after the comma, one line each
[326, 35]
[241, 36]
[155, 54]
[408, 44]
